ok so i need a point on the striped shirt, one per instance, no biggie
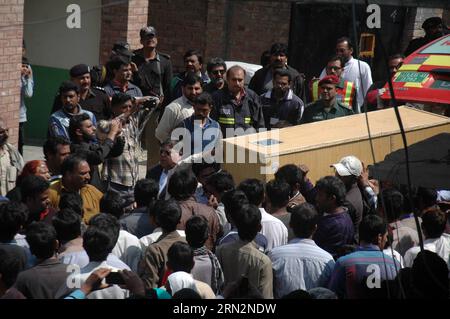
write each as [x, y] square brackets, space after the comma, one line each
[355, 274]
[311, 265]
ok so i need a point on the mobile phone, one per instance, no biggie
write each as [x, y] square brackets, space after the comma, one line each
[114, 278]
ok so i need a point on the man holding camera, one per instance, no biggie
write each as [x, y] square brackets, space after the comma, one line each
[121, 172]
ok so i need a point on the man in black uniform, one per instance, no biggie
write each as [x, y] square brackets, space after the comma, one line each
[261, 82]
[93, 99]
[152, 72]
[433, 29]
[236, 108]
[327, 107]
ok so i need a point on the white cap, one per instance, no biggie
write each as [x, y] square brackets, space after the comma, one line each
[349, 165]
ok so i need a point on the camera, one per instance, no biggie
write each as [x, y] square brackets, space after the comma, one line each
[114, 278]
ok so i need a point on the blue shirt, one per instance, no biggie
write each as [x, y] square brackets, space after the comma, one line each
[355, 274]
[311, 265]
[201, 138]
[232, 236]
[59, 122]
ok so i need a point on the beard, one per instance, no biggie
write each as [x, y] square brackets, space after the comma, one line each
[89, 137]
[279, 93]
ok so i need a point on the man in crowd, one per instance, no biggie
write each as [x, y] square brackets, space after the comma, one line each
[311, 264]
[237, 109]
[26, 91]
[433, 28]
[345, 90]
[11, 162]
[349, 170]
[75, 178]
[179, 109]
[335, 227]
[355, 275]
[327, 107]
[262, 81]
[200, 133]
[253, 264]
[377, 89]
[93, 99]
[355, 70]
[122, 75]
[281, 107]
[121, 172]
[152, 71]
[82, 134]
[216, 69]
[55, 150]
[70, 99]
[193, 62]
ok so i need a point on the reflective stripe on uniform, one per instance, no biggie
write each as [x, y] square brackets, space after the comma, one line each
[349, 90]
[247, 120]
[315, 90]
[226, 120]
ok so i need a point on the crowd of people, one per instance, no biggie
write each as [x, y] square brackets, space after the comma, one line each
[83, 224]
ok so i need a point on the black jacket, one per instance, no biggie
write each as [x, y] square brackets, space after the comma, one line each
[297, 83]
[96, 154]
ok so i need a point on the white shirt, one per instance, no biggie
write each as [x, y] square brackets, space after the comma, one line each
[396, 255]
[274, 230]
[112, 292]
[146, 241]
[440, 246]
[174, 114]
[300, 264]
[351, 73]
[128, 249]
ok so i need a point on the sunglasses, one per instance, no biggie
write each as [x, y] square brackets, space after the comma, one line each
[217, 72]
[335, 68]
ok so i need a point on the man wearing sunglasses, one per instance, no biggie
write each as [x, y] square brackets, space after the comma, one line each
[345, 90]
[216, 69]
[372, 100]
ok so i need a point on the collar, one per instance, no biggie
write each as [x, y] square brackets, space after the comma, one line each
[349, 61]
[49, 262]
[80, 110]
[369, 247]
[120, 86]
[299, 240]
[186, 102]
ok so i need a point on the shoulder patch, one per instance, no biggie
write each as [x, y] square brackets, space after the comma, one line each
[99, 88]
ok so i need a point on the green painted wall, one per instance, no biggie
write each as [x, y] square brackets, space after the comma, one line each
[46, 83]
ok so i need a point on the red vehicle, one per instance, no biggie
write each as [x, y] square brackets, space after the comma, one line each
[424, 79]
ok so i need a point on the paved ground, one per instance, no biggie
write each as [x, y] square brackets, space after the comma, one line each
[35, 153]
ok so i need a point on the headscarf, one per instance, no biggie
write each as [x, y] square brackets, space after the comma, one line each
[180, 280]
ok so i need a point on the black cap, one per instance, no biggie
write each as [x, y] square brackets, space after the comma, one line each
[431, 22]
[122, 48]
[79, 70]
[146, 31]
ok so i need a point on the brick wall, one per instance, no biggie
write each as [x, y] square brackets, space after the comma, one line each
[181, 25]
[121, 22]
[234, 30]
[11, 33]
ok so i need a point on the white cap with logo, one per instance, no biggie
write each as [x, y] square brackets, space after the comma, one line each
[349, 165]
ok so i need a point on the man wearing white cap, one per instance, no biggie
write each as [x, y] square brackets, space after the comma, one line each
[349, 169]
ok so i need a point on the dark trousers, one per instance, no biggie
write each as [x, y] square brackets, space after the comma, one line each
[21, 136]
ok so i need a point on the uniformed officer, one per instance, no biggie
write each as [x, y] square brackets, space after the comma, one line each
[152, 72]
[327, 107]
[93, 99]
[345, 90]
[237, 109]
